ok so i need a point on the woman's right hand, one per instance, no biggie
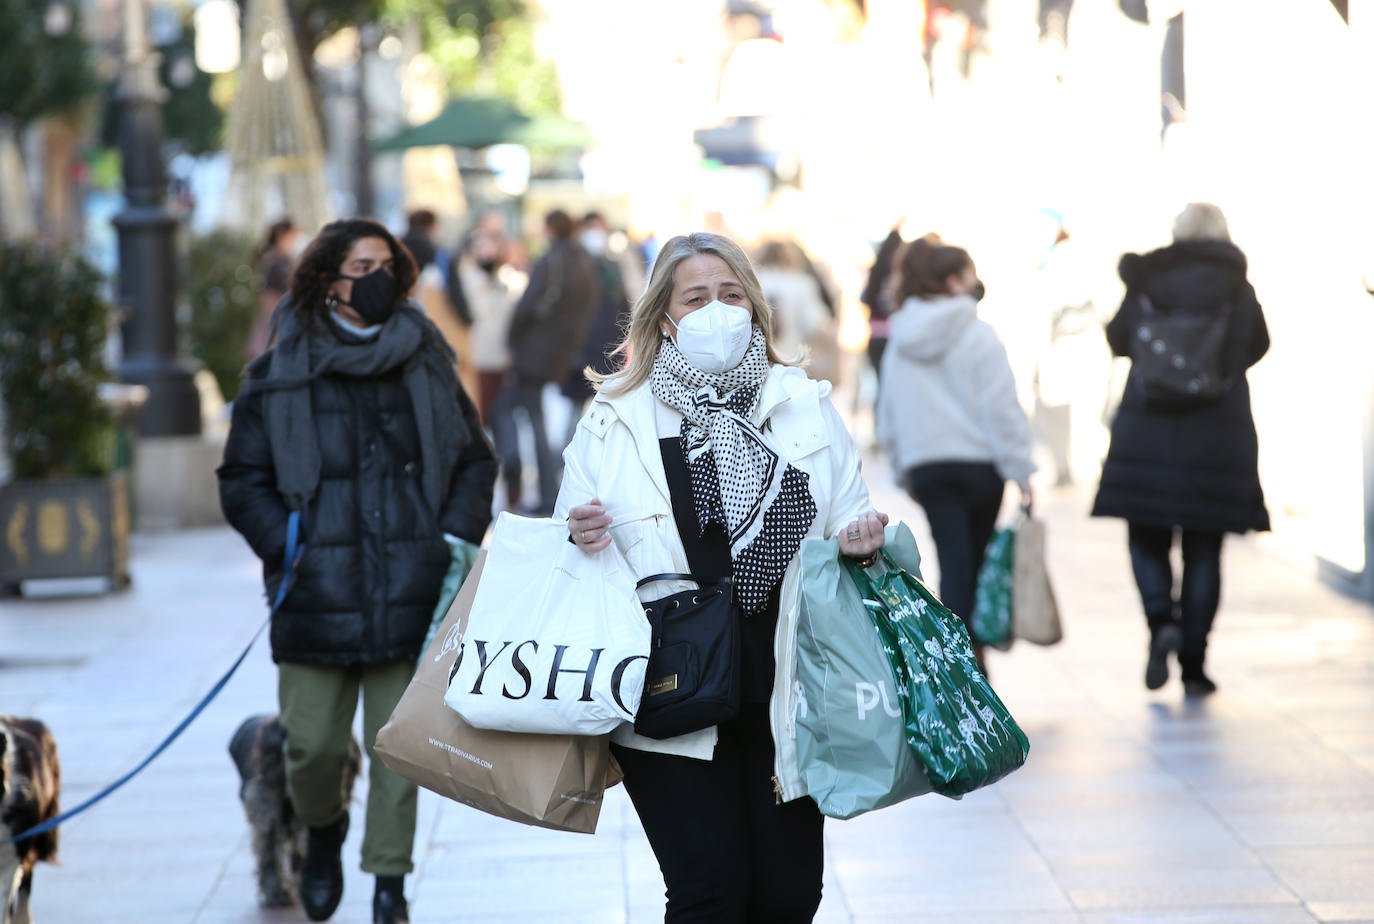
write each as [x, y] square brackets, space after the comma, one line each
[590, 526]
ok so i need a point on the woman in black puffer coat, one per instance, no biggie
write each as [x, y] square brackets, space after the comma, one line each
[355, 418]
[1190, 467]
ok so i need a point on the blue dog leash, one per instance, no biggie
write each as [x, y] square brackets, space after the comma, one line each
[294, 549]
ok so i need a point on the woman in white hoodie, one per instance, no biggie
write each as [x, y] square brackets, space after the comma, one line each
[948, 416]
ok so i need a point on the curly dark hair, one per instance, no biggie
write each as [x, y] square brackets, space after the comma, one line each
[319, 264]
[926, 266]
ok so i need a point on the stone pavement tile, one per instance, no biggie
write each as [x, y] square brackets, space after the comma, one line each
[1324, 874]
[1162, 858]
[917, 916]
[1097, 888]
[970, 897]
[1305, 828]
[1343, 911]
[1352, 795]
[455, 913]
[1234, 914]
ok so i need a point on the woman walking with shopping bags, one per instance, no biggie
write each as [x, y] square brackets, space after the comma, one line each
[709, 455]
[355, 419]
[948, 416]
[1185, 459]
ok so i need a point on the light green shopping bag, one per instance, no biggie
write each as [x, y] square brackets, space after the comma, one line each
[851, 738]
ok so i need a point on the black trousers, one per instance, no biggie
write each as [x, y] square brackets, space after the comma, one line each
[1199, 592]
[526, 395]
[728, 852]
[961, 501]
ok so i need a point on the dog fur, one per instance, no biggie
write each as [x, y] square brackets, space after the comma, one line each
[30, 783]
[258, 749]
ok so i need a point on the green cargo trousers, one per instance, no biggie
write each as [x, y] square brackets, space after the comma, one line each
[317, 707]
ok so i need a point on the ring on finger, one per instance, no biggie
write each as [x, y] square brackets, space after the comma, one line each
[584, 535]
[852, 534]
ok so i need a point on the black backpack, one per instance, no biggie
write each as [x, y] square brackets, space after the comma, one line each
[1177, 358]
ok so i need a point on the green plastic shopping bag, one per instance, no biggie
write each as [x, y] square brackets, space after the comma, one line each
[850, 735]
[959, 728]
[992, 606]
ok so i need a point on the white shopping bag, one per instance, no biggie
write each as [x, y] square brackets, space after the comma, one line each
[556, 642]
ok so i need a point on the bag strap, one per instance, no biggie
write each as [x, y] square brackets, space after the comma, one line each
[676, 576]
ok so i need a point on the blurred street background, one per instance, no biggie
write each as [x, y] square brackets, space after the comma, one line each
[162, 162]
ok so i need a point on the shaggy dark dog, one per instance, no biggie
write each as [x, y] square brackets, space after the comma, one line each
[30, 782]
[258, 749]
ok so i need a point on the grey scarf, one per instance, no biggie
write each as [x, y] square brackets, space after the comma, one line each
[407, 340]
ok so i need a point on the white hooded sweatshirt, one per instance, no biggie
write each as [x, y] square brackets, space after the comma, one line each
[947, 393]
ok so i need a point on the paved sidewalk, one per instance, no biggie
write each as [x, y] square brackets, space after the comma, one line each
[1254, 806]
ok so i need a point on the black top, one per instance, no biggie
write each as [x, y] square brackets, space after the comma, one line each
[708, 556]
[1191, 467]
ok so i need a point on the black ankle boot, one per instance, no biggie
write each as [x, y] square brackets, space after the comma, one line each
[1164, 639]
[1195, 682]
[389, 901]
[322, 869]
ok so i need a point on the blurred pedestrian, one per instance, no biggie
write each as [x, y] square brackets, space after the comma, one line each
[354, 419]
[1185, 465]
[803, 322]
[879, 294]
[718, 486]
[491, 289]
[274, 259]
[546, 334]
[609, 317]
[419, 237]
[948, 416]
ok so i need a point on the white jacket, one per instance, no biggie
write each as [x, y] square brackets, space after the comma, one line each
[948, 394]
[615, 457]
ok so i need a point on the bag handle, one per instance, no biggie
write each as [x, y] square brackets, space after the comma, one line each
[676, 576]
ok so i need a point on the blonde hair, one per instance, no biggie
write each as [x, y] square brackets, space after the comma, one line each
[1201, 221]
[639, 347]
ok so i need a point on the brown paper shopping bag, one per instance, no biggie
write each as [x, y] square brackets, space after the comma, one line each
[553, 781]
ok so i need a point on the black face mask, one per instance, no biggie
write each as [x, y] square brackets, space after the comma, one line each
[374, 295]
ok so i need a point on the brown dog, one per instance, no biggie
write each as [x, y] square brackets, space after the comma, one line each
[30, 782]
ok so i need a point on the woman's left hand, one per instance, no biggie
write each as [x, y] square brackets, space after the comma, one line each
[862, 538]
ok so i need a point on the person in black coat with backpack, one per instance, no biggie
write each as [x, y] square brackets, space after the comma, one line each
[1184, 451]
[354, 419]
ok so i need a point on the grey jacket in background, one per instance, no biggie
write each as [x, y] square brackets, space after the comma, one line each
[948, 394]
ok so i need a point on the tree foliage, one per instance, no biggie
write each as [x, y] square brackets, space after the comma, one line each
[484, 46]
[41, 73]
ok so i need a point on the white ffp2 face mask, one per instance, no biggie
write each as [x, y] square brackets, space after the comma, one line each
[715, 337]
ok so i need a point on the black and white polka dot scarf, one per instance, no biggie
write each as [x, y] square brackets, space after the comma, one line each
[739, 479]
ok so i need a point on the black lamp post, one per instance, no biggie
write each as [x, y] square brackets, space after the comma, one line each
[147, 245]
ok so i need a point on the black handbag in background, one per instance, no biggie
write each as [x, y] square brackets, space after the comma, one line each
[693, 678]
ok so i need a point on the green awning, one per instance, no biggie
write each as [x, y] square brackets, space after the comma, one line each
[479, 122]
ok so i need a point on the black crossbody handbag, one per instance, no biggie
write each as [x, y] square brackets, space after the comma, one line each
[693, 678]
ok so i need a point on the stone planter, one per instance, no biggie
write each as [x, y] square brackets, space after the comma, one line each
[64, 528]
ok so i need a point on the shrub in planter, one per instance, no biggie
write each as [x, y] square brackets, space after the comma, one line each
[65, 515]
[222, 287]
[53, 326]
